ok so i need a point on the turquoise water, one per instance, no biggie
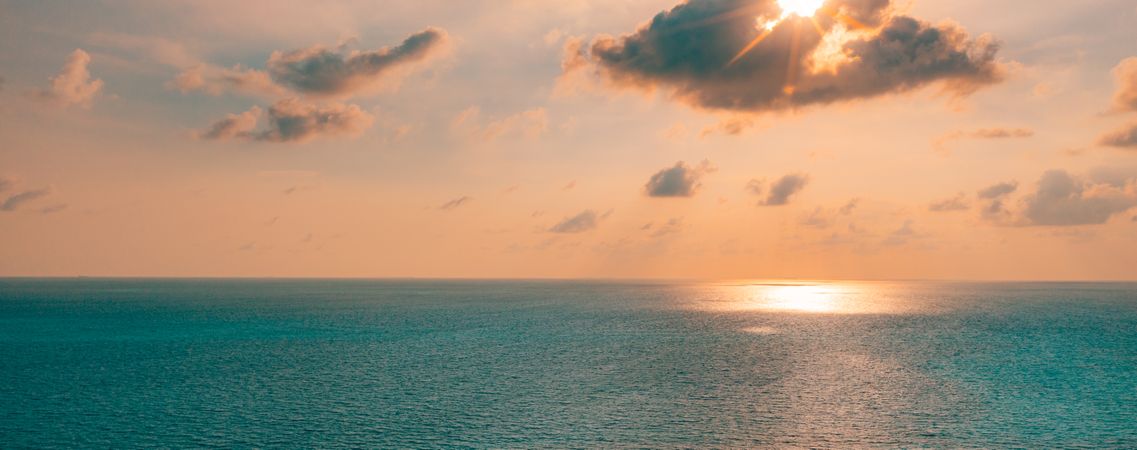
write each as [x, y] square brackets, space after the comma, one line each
[228, 363]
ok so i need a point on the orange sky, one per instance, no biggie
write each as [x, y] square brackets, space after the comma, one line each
[516, 139]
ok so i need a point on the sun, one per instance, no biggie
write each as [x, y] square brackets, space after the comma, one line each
[801, 8]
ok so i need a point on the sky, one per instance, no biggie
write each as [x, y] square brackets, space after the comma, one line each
[706, 139]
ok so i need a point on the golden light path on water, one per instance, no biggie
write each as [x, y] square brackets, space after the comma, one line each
[801, 297]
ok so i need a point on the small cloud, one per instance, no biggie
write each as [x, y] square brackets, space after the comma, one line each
[73, 85]
[1062, 199]
[53, 208]
[672, 226]
[901, 235]
[679, 180]
[452, 204]
[585, 221]
[941, 143]
[569, 186]
[329, 72]
[822, 218]
[291, 120]
[730, 126]
[780, 192]
[14, 201]
[998, 190]
[1125, 75]
[957, 203]
[1122, 138]
[233, 126]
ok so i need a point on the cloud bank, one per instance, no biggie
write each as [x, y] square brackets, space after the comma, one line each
[712, 54]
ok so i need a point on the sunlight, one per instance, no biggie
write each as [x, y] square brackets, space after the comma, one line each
[801, 8]
[816, 299]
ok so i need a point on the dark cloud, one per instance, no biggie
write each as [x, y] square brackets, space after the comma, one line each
[1062, 199]
[322, 71]
[579, 223]
[1123, 138]
[780, 192]
[1125, 74]
[957, 203]
[998, 190]
[291, 120]
[455, 203]
[5, 184]
[695, 50]
[679, 180]
[15, 200]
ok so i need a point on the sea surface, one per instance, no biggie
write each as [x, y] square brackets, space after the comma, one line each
[102, 363]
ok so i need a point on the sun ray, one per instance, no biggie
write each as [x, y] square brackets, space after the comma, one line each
[754, 43]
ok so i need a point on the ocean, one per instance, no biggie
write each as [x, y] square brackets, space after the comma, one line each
[128, 363]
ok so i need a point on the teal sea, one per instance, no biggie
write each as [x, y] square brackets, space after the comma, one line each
[101, 363]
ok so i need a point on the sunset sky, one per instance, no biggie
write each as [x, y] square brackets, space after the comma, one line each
[711, 139]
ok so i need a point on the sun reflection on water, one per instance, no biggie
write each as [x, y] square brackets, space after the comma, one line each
[820, 297]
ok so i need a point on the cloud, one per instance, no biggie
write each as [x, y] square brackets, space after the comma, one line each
[824, 217]
[1062, 199]
[712, 54]
[330, 72]
[53, 208]
[5, 184]
[579, 223]
[957, 203]
[901, 235]
[998, 190]
[673, 225]
[730, 126]
[234, 126]
[1125, 75]
[452, 204]
[679, 180]
[780, 192]
[291, 120]
[15, 200]
[217, 80]
[1123, 138]
[73, 85]
[941, 143]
